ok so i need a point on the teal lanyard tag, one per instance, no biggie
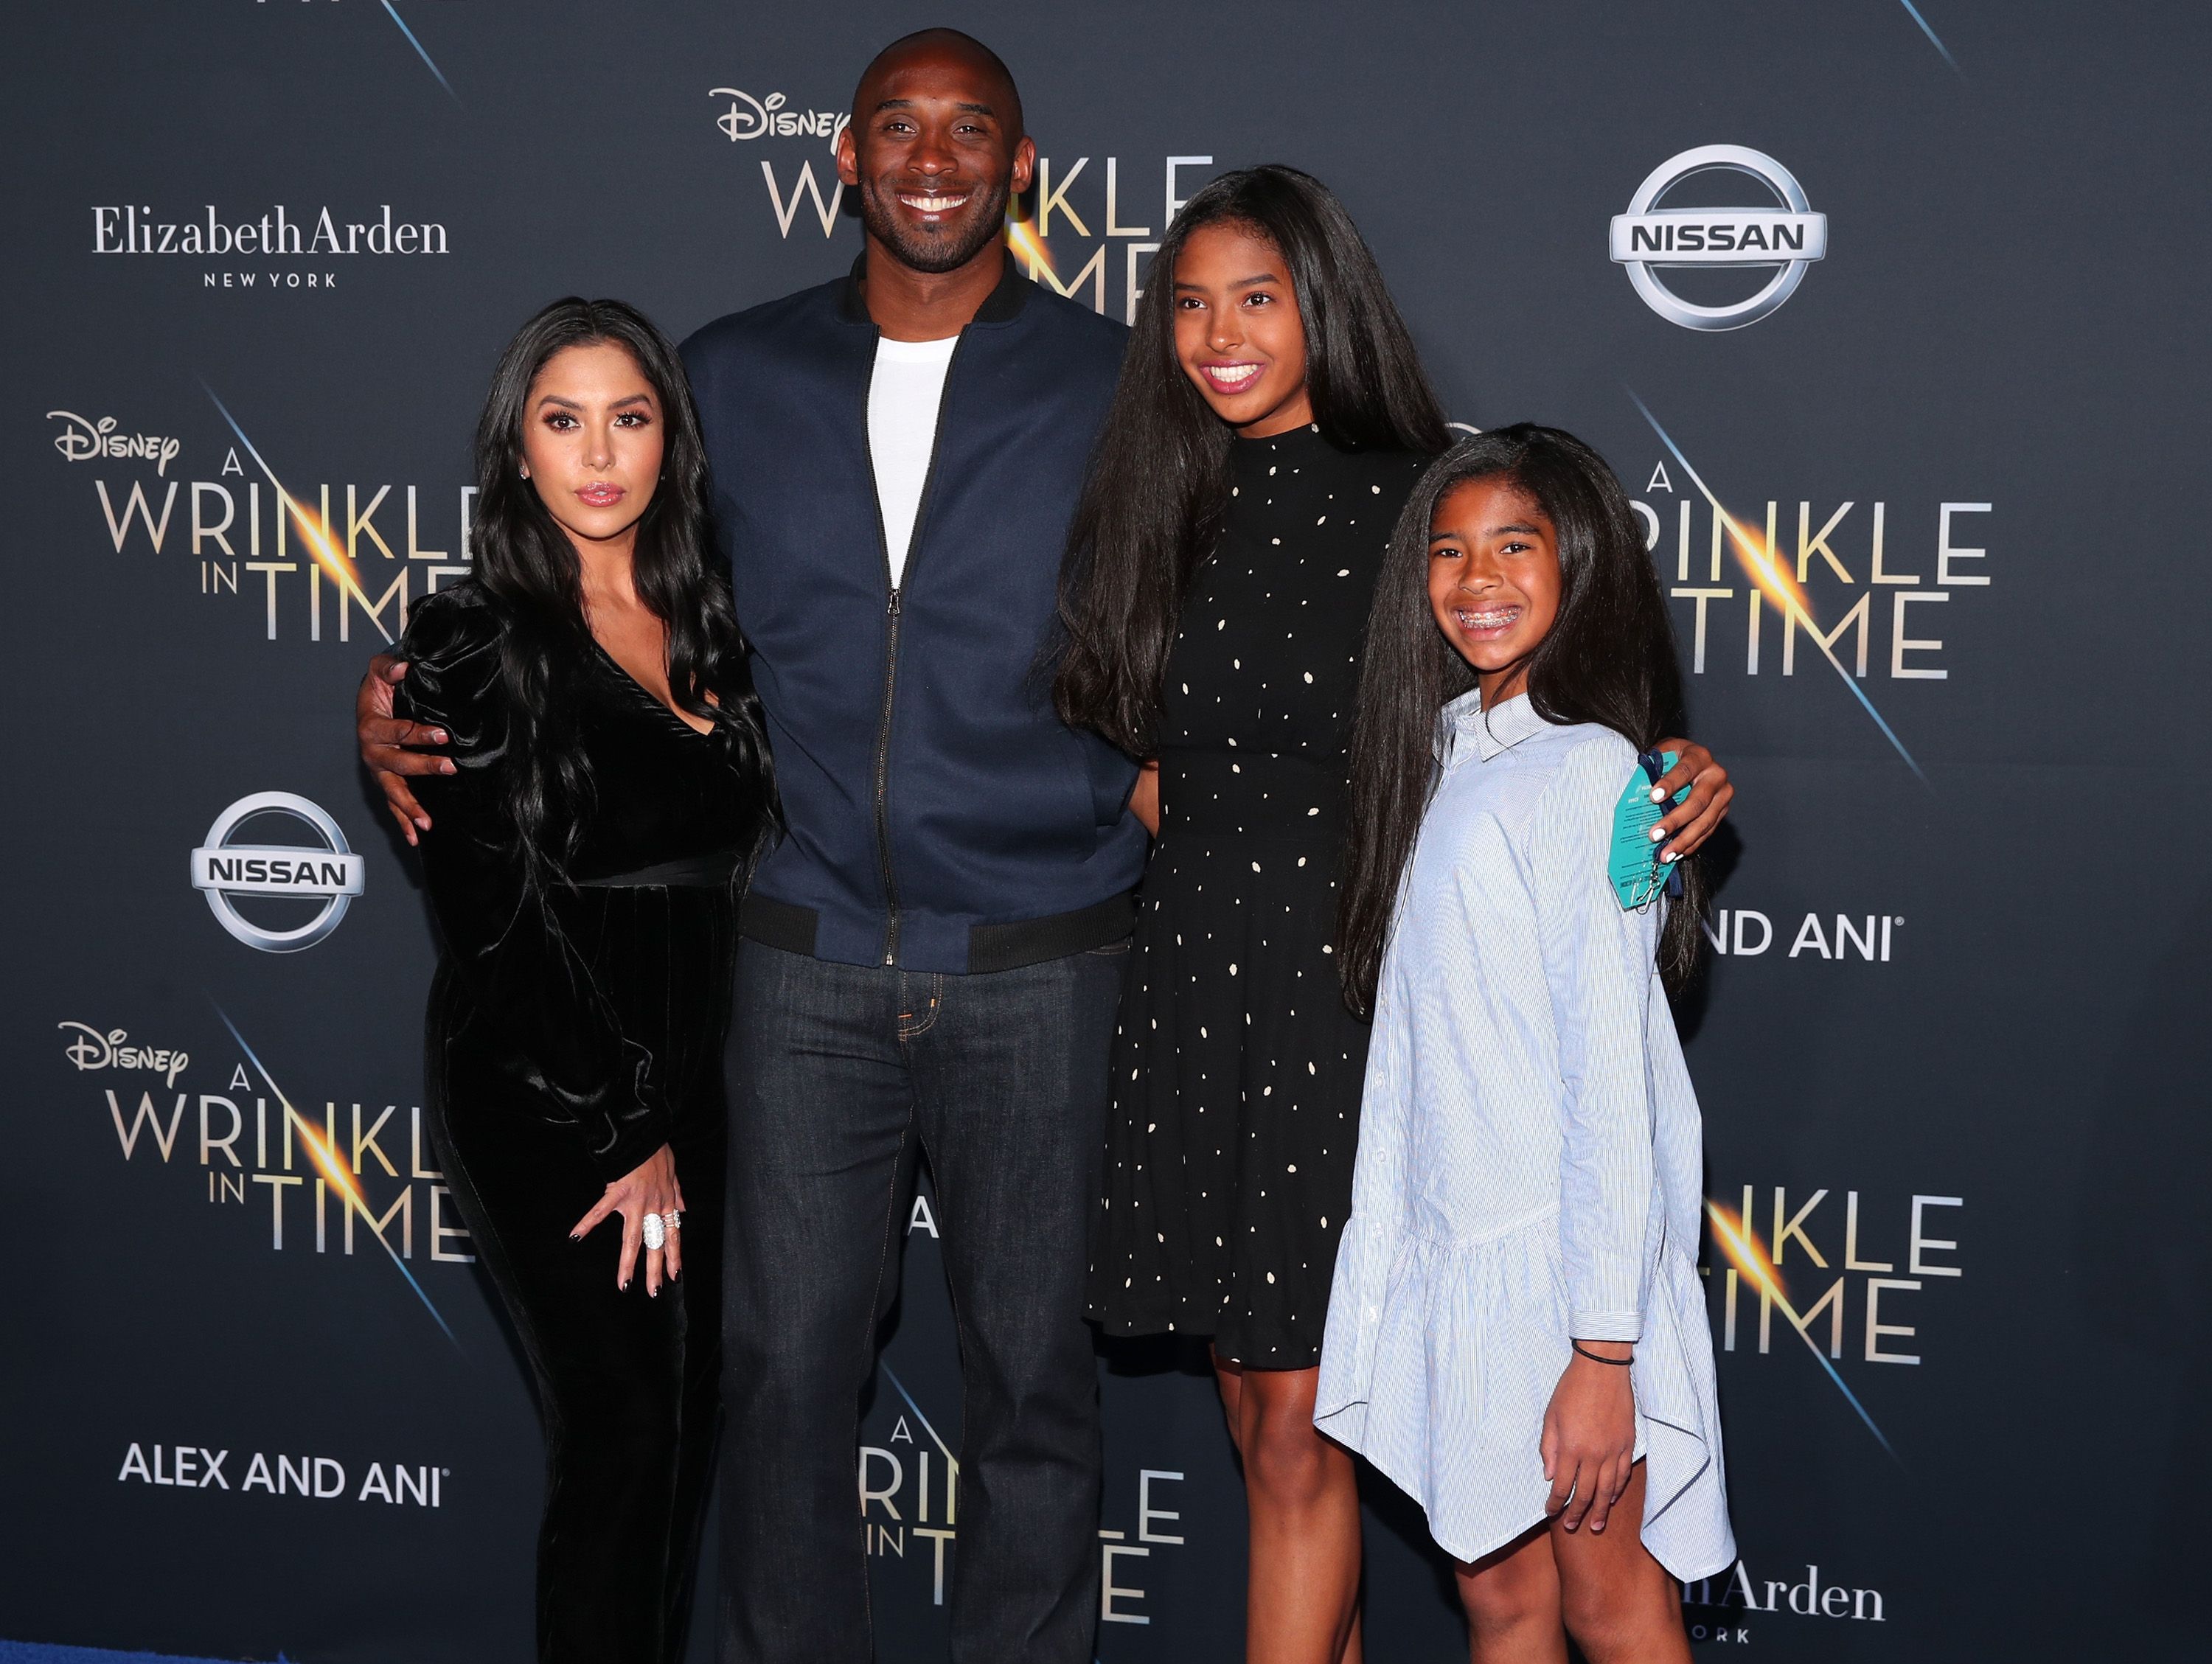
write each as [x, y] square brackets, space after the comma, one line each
[1638, 874]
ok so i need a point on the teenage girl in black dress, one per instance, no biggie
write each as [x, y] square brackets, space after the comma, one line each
[584, 850]
[1271, 422]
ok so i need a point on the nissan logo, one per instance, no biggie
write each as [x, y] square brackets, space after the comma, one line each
[325, 871]
[1786, 239]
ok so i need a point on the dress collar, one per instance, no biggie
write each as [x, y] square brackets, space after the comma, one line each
[1256, 458]
[1495, 731]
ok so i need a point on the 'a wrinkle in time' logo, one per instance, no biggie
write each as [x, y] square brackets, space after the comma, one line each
[1758, 595]
[1076, 229]
[909, 1483]
[359, 1178]
[1849, 1279]
[321, 562]
[1056, 258]
[910, 1486]
[1739, 574]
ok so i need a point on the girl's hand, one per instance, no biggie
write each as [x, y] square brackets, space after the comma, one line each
[1690, 822]
[1145, 800]
[1590, 1438]
[648, 1187]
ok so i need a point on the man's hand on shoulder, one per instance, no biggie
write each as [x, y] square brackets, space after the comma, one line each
[394, 748]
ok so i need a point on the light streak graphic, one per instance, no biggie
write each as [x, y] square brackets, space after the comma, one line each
[334, 1173]
[1741, 1245]
[919, 1417]
[448, 85]
[315, 534]
[1913, 11]
[1032, 248]
[1776, 584]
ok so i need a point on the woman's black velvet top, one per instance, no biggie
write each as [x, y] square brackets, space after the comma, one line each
[599, 999]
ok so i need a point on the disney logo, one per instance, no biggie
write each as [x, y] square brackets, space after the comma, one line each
[85, 438]
[89, 1048]
[750, 118]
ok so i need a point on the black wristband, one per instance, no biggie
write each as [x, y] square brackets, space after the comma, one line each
[1598, 1357]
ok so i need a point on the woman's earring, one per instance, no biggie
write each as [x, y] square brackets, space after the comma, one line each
[526, 470]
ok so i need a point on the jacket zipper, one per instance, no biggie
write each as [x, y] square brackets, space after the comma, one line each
[884, 775]
[892, 607]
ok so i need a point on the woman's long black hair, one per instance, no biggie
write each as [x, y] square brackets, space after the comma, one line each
[1159, 481]
[526, 563]
[1609, 658]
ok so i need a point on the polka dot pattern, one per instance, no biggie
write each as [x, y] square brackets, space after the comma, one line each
[1237, 1069]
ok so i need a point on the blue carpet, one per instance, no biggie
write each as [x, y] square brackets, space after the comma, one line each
[38, 1652]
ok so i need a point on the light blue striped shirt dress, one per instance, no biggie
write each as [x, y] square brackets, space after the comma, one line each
[1531, 1159]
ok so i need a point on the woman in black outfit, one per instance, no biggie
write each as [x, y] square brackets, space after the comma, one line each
[607, 788]
[1271, 422]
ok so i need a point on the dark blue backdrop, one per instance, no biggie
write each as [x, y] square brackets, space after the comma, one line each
[1949, 1061]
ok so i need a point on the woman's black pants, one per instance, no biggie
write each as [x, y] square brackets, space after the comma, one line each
[628, 1383]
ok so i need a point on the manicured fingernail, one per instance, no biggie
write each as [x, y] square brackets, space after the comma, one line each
[1670, 854]
[445, 765]
[422, 821]
[1658, 795]
[1657, 833]
[438, 737]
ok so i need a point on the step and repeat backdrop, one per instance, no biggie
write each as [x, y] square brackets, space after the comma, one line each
[1889, 316]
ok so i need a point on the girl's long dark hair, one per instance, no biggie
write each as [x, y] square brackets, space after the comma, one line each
[527, 566]
[1609, 658]
[1159, 481]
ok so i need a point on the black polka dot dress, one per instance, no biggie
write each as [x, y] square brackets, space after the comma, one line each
[1237, 1069]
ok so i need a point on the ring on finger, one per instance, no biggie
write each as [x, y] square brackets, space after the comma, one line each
[656, 1233]
[673, 1220]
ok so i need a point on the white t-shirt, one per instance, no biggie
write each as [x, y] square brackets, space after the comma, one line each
[903, 401]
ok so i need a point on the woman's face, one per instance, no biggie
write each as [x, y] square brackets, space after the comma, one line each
[1238, 335]
[1494, 579]
[592, 441]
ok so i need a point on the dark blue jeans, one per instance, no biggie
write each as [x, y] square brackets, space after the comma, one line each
[841, 1077]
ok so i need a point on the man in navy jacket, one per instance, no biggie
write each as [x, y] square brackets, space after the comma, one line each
[933, 952]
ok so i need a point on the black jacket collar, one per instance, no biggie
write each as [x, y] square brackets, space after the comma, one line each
[1002, 306]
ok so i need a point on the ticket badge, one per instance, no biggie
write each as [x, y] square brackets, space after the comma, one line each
[1638, 873]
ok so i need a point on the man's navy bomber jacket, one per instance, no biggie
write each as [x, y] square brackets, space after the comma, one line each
[939, 816]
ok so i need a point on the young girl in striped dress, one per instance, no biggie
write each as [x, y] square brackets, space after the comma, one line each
[1516, 1332]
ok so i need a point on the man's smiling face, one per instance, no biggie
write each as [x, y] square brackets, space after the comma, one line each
[936, 149]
